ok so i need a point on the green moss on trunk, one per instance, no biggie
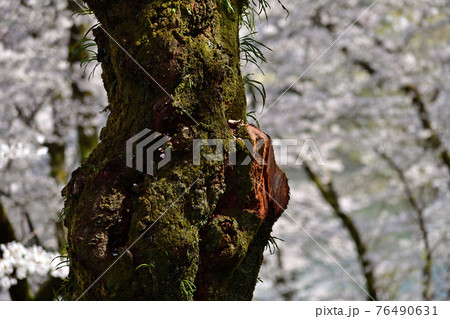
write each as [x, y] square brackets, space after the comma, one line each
[187, 226]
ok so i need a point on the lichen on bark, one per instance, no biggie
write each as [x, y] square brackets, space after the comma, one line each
[204, 225]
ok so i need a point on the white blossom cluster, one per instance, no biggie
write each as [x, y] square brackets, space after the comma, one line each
[35, 92]
[18, 262]
[37, 108]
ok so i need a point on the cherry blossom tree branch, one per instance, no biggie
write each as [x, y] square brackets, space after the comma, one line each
[427, 276]
[331, 197]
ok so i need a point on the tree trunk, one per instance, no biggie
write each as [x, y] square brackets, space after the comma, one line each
[189, 231]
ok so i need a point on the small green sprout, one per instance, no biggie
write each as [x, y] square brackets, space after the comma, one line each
[148, 266]
[272, 244]
[187, 288]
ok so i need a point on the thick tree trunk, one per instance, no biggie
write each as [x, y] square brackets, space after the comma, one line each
[136, 236]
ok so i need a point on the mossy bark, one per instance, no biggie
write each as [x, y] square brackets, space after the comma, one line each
[204, 224]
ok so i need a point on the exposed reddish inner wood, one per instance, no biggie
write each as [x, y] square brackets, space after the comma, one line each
[271, 186]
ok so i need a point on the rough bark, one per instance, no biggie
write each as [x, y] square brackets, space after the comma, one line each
[205, 225]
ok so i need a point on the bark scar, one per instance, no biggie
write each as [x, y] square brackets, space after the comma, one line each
[271, 184]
